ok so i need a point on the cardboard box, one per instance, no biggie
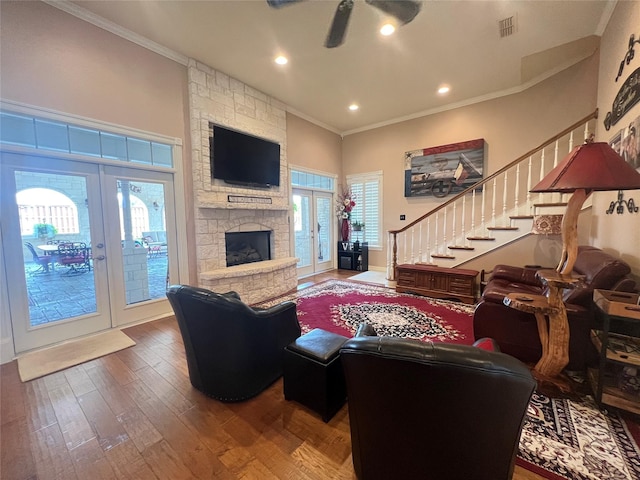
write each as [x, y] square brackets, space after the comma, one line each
[620, 304]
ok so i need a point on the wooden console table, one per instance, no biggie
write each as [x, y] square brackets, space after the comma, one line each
[438, 282]
[554, 336]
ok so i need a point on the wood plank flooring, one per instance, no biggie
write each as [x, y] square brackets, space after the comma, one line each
[134, 415]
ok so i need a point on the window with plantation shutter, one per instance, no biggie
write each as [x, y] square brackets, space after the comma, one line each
[367, 191]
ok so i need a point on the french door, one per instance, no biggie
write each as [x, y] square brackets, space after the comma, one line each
[110, 280]
[313, 231]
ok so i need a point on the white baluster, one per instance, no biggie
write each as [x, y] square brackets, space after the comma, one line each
[505, 220]
[571, 141]
[529, 204]
[413, 231]
[493, 204]
[517, 193]
[405, 246]
[555, 164]
[542, 174]
[453, 223]
[420, 242]
[484, 194]
[436, 247]
[444, 232]
[428, 240]
[473, 213]
[463, 221]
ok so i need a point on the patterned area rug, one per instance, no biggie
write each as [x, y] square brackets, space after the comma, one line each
[561, 438]
[339, 306]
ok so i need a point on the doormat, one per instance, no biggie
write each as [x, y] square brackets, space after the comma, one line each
[49, 360]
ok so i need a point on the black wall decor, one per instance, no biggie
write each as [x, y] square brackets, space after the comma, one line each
[629, 93]
[627, 97]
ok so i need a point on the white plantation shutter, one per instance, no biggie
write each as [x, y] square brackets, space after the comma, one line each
[367, 190]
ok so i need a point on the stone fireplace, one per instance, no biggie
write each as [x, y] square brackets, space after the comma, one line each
[224, 210]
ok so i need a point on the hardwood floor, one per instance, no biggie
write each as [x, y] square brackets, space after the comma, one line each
[133, 414]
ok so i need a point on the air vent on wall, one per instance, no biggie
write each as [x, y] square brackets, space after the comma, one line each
[507, 26]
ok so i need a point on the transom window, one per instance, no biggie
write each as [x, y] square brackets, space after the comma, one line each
[28, 131]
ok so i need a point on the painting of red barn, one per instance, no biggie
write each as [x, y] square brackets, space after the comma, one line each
[443, 170]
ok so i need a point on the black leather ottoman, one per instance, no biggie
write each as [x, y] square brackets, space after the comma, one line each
[313, 373]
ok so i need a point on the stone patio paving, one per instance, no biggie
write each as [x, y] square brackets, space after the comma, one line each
[57, 295]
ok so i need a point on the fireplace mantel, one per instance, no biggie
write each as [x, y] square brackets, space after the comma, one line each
[241, 206]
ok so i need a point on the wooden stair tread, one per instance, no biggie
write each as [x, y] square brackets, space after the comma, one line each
[438, 255]
[556, 204]
[460, 247]
[502, 228]
[521, 217]
[481, 238]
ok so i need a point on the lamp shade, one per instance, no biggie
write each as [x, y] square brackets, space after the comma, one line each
[591, 166]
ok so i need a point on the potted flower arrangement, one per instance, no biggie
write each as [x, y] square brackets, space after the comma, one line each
[357, 226]
[44, 231]
[343, 211]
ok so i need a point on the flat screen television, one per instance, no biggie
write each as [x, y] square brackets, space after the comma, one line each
[243, 159]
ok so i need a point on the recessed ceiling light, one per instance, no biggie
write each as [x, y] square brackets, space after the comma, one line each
[353, 107]
[387, 29]
[281, 60]
[444, 89]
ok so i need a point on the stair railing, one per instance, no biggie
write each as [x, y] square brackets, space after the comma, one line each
[487, 206]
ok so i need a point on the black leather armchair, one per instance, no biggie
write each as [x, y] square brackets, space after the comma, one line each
[433, 410]
[233, 351]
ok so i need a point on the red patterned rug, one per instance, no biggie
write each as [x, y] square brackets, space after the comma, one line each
[562, 439]
[340, 306]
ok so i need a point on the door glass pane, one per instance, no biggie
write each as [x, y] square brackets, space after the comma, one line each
[301, 206]
[144, 240]
[56, 238]
[324, 217]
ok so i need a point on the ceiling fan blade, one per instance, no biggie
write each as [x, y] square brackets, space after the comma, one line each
[403, 10]
[281, 3]
[338, 29]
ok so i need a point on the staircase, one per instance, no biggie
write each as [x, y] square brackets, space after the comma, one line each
[492, 213]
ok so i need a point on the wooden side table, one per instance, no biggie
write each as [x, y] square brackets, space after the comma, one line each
[554, 336]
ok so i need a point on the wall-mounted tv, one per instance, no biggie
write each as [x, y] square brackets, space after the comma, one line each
[243, 159]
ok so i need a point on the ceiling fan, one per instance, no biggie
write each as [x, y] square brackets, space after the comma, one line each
[402, 10]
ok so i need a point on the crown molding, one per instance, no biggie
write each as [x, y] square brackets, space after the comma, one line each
[306, 117]
[98, 21]
[471, 101]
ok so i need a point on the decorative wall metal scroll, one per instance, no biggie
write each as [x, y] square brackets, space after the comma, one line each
[443, 170]
[629, 93]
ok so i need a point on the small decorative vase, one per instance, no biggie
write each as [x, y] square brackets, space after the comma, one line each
[345, 230]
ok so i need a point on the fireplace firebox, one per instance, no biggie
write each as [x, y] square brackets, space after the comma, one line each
[247, 247]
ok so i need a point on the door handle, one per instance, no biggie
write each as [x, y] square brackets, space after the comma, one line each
[100, 245]
[99, 257]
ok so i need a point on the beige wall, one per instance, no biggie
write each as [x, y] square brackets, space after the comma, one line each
[617, 234]
[511, 126]
[54, 60]
[312, 147]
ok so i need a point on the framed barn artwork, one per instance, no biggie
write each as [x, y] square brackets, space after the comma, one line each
[444, 170]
